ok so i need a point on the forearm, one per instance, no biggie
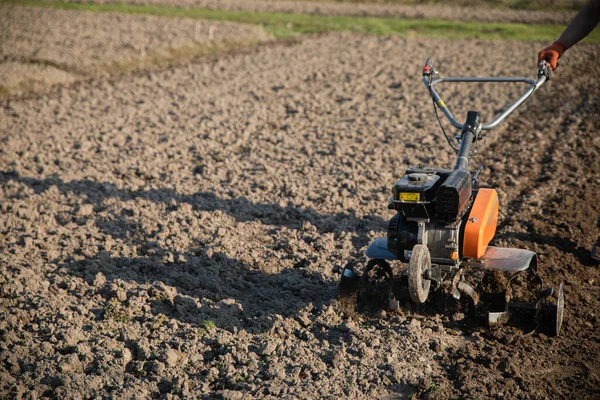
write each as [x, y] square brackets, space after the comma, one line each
[584, 22]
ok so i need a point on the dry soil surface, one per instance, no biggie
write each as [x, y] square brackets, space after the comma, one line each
[180, 233]
[19, 77]
[437, 11]
[36, 44]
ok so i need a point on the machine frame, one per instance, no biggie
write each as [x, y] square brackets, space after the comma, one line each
[447, 223]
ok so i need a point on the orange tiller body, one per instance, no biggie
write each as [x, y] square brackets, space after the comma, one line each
[481, 225]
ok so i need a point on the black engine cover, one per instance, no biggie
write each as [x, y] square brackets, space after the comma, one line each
[453, 195]
[414, 195]
[418, 187]
[439, 197]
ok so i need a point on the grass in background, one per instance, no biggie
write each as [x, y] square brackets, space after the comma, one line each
[284, 25]
[548, 5]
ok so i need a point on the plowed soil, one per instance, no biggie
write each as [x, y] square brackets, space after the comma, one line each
[437, 11]
[180, 233]
[40, 47]
[18, 77]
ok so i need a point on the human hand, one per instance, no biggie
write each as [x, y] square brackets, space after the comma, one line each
[551, 54]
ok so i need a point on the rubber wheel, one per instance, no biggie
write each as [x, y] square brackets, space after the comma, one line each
[420, 262]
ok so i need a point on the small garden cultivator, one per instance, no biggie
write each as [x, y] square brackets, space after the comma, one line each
[439, 237]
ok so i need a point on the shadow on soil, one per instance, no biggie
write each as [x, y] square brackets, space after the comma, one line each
[209, 285]
[240, 208]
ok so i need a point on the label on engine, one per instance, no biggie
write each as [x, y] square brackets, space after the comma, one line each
[410, 196]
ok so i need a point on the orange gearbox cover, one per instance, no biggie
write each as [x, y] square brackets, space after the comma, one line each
[481, 225]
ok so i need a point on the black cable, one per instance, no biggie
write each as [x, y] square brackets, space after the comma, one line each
[441, 126]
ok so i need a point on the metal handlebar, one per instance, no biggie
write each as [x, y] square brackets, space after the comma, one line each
[429, 80]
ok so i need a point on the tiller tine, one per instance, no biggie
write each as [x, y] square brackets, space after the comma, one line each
[348, 290]
[349, 283]
[548, 315]
[377, 286]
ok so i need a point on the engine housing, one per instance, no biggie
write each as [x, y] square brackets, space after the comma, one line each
[437, 199]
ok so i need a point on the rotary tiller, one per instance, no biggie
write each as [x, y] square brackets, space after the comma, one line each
[439, 237]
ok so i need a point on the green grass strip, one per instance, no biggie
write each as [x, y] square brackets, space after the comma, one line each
[539, 5]
[284, 25]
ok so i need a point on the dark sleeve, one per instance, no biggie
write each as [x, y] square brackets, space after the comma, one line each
[584, 22]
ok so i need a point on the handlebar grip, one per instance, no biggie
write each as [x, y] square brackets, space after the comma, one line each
[544, 70]
[429, 62]
[428, 68]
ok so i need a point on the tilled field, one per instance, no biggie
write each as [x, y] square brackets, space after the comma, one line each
[437, 11]
[39, 46]
[18, 77]
[180, 233]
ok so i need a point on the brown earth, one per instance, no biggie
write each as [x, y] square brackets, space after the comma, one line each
[437, 11]
[40, 46]
[180, 233]
[18, 77]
